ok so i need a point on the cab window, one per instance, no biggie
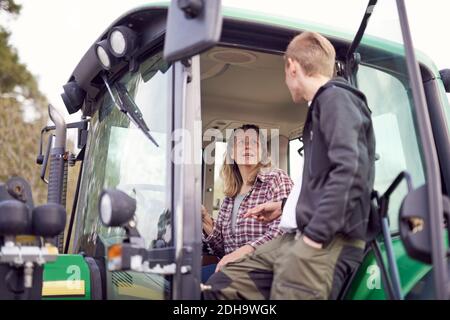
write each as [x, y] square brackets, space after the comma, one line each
[397, 146]
[121, 156]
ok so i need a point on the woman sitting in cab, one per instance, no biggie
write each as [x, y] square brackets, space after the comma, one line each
[249, 180]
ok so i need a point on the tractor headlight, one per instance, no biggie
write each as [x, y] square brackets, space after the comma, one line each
[105, 209]
[116, 208]
[103, 55]
[122, 41]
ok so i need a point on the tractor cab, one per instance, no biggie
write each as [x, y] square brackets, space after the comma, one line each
[162, 87]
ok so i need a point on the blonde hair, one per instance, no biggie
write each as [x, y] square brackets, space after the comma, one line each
[314, 53]
[232, 179]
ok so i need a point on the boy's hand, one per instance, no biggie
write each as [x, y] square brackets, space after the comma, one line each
[312, 243]
[265, 212]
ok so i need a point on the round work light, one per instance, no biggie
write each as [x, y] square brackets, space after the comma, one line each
[122, 41]
[102, 51]
[116, 208]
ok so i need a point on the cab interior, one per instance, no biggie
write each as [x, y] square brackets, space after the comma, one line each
[240, 86]
[246, 85]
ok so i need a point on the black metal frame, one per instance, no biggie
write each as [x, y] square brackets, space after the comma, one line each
[353, 58]
[431, 164]
[439, 125]
[186, 197]
[74, 208]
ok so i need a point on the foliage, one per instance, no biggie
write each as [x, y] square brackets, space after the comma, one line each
[19, 97]
[10, 6]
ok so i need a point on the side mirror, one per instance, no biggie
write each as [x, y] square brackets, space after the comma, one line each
[413, 217]
[116, 208]
[193, 26]
[445, 77]
[415, 235]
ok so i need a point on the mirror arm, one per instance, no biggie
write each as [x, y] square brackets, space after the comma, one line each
[384, 199]
[45, 159]
[383, 202]
[402, 175]
[384, 274]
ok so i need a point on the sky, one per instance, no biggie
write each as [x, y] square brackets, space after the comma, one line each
[51, 36]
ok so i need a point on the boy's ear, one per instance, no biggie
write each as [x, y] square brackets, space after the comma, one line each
[290, 67]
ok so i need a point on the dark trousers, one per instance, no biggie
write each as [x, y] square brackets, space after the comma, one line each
[288, 268]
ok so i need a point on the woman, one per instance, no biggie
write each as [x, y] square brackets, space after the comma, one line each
[249, 181]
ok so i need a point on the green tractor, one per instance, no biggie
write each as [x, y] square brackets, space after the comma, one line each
[157, 92]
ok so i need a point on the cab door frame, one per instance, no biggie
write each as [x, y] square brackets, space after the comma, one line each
[187, 179]
[433, 188]
[431, 163]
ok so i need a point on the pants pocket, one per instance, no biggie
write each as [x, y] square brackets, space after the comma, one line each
[304, 273]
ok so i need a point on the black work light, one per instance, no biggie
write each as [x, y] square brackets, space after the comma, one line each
[122, 41]
[116, 208]
[73, 96]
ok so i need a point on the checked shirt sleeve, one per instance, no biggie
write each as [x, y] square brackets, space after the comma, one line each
[215, 239]
[280, 189]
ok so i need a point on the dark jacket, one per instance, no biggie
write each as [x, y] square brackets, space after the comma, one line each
[339, 165]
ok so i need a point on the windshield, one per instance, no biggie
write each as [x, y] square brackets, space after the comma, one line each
[121, 156]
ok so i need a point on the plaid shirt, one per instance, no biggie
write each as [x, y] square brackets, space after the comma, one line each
[273, 185]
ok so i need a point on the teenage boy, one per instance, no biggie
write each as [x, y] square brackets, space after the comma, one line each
[327, 229]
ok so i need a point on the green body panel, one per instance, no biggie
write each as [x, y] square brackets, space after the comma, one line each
[68, 267]
[367, 284]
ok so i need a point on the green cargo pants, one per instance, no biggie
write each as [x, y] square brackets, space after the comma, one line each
[288, 268]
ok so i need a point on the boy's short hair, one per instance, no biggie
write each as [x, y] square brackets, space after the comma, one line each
[314, 53]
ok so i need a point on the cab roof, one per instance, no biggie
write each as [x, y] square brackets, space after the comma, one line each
[86, 73]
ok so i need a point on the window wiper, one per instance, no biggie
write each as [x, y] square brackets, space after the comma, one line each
[127, 105]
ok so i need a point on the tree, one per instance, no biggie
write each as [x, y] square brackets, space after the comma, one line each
[10, 6]
[19, 94]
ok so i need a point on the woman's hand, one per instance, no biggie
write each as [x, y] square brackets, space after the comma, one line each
[236, 254]
[265, 212]
[207, 221]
